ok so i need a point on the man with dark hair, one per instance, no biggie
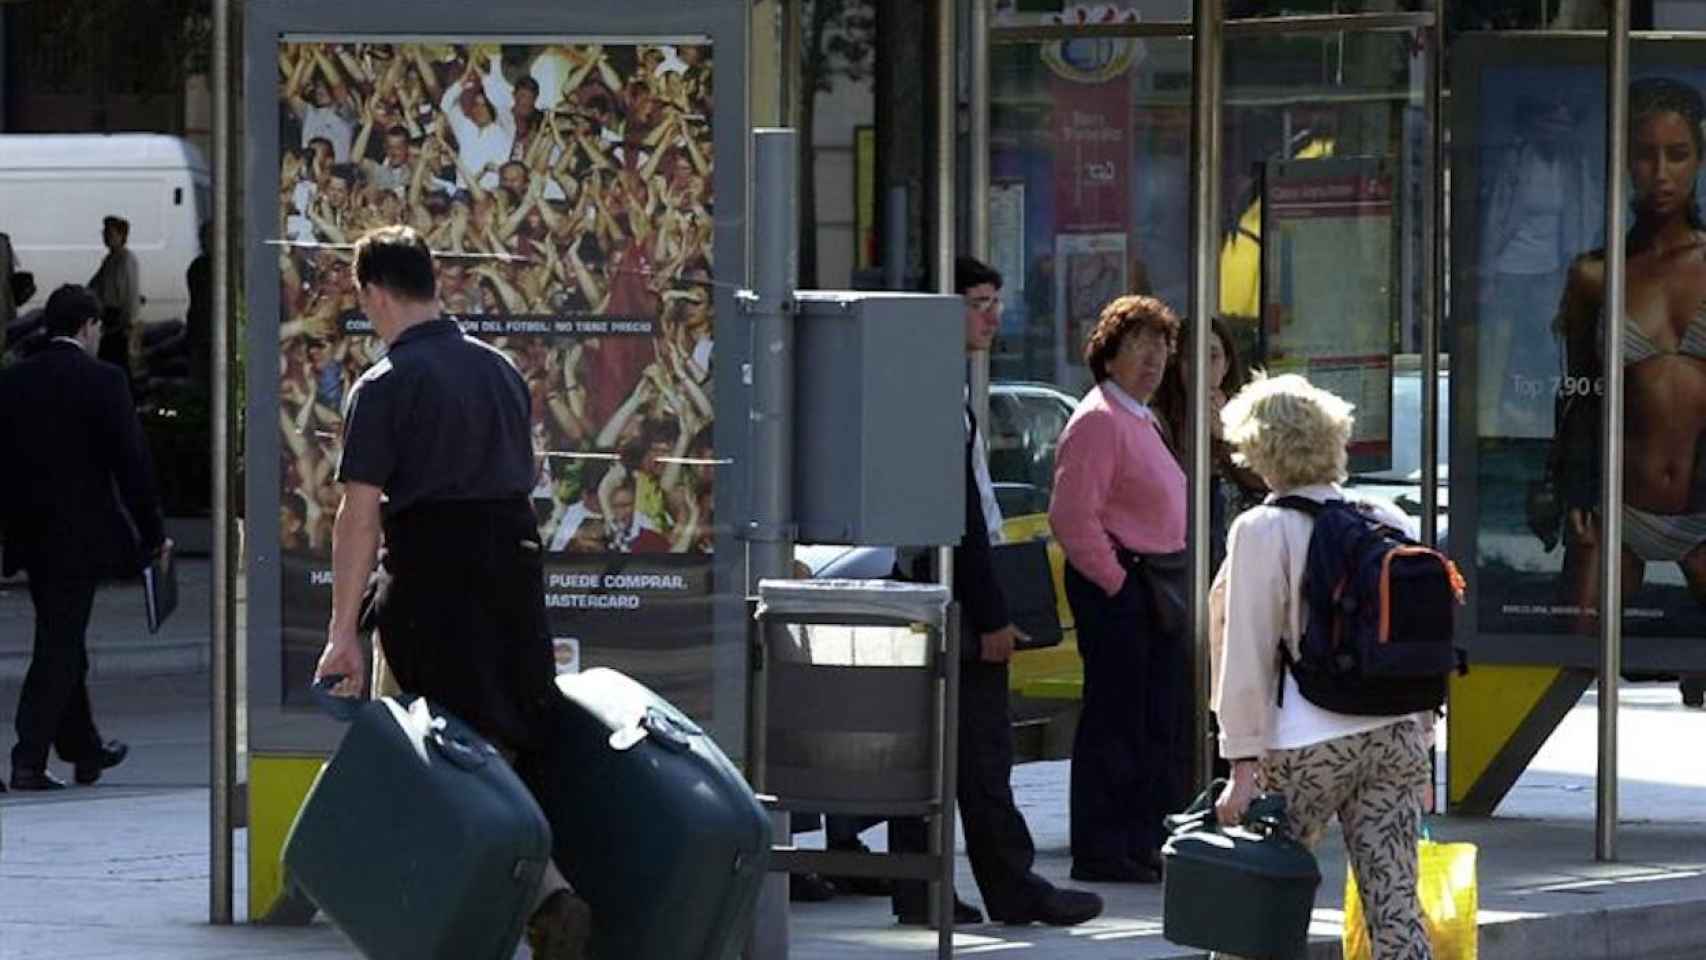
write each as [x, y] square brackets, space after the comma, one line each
[118, 285]
[998, 842]
[198, 319]
[78, 504]
[526, 107]
[394, 168]
[969, 273]
[9, 304]
[513, 177]
[438, 455]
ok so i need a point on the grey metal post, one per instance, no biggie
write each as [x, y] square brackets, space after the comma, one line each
[770, 532]
[947, 781]
[947, 111]
[1206, 48]
[947, 129]
[223, 761]
[894, 237]
[789, 52]
[977, 215]
[1433, 279]
[1611, 431]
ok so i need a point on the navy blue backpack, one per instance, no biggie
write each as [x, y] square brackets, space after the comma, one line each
[1378, 638]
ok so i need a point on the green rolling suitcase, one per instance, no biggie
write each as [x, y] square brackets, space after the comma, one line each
[654, 827]
[417, 840]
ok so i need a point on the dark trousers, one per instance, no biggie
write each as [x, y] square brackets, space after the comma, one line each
[114, 348]
[53, 707]
[998, 842]
[1125, 757]
[460, 608]
[841, 831]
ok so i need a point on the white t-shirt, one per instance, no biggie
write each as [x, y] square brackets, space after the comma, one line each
[327, 122]
[479, 146]
[985, 486]
[572, 519]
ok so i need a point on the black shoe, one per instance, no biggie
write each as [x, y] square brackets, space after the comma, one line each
[1117, 871]
[111, 754]
[863, 886]
[1694, 693]
[1153, 860]
[964, 913]
[1058, 908]
[36, 780]
[809, 888]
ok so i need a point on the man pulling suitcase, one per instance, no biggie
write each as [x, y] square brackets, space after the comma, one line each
[438, 457]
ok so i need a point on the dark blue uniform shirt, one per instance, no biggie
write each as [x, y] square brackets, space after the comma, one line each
[442, 417]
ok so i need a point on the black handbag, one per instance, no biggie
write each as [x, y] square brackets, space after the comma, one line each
[1167, 576]
[1022, 571]
[1571, 476]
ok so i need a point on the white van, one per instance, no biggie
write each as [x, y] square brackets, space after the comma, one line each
[55, 188]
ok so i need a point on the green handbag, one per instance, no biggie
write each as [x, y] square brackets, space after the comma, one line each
[1246, 890]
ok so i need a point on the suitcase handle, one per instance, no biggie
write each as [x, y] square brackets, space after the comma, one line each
[341, 709]
[459, 751]
[1266, 813]
[666, 731]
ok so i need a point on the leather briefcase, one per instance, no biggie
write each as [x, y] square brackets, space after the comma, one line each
[1022, 570]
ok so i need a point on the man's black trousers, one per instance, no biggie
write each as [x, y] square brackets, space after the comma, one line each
[460, 608]
[53, 707]
[998, 843]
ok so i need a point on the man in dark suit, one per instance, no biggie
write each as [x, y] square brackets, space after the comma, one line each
[998, 842]
[78, 504]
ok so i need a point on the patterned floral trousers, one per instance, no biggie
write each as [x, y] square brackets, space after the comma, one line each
[1373, 782]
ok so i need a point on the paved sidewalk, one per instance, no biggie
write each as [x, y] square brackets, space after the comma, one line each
[120, 870]
[119, 642]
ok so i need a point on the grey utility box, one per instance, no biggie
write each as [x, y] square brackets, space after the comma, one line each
[879, 418]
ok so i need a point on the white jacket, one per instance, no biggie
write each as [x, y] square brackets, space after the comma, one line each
[1255, 603]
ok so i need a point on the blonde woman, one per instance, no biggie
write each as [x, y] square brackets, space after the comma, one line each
[1370, 772]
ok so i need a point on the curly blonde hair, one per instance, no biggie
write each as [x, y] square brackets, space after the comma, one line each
[1289, 431]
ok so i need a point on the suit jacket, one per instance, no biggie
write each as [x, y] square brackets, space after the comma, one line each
[77, 490]
[983, 607]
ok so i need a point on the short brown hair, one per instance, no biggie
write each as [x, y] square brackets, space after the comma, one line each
[1124, 316]
[397, 259]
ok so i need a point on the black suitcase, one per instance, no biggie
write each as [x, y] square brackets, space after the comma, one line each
[417, 840]
[655, 829]
[1247, 891]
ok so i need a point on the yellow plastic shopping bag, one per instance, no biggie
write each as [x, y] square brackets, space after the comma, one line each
[1445, 885]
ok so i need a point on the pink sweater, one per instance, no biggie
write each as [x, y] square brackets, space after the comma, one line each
[1115, 484]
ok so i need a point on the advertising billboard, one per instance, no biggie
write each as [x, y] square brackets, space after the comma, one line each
[565, 188]
[1528, 291]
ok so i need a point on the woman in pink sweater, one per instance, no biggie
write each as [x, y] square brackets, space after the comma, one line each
[1118, 511]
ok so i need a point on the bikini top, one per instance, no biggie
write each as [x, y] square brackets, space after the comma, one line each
[1637, 346]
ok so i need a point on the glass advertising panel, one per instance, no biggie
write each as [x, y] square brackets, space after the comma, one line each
[1323, 211]
[1528, 244]
[1090, 192]
[565, 188]
[1329, 300]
